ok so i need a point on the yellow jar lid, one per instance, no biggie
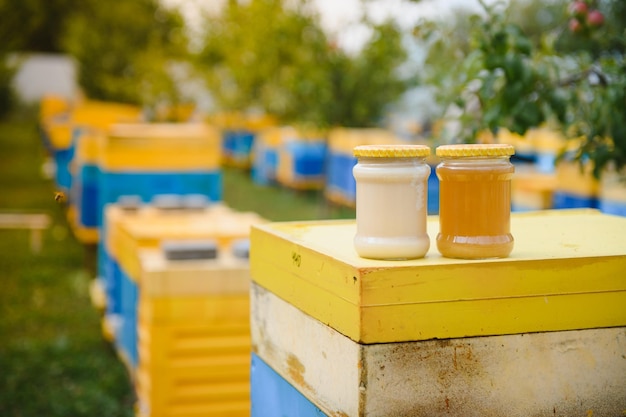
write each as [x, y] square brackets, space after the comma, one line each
[391, 151]
[469, 150]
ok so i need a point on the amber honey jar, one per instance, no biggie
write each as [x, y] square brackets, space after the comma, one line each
[475, 200]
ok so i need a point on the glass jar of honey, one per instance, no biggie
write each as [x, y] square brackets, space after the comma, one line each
[475, 201]
[391, 201]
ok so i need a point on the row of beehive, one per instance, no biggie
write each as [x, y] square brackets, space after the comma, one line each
[181, 327]
[103, 151]
[177, 290]
[304, 160]
[334, 334]
[324, 161]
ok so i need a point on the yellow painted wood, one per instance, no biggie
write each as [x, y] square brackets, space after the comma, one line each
[224, 275]
[573, 179]
[87, 147]
[613, 185]
[60, 133]
[52, 105]
[212, 309]
[160, 147]
[344, 140]
[576, 372]
[567, 271]
[102, 114]
[86, 235]
[193, 336]
[193, 365]
[96, 115]
[127, 232]
[531, 189]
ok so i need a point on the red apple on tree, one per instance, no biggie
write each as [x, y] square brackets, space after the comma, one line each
[595, 18]
[575, 26]
[578, 9]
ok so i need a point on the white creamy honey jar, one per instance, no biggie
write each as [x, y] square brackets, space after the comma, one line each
[391, 201]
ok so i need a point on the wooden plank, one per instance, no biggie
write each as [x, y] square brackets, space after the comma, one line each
[35, 222]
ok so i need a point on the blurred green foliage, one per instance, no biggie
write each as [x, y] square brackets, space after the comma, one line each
[124, 50]
[35, 25]
[258, 54]
[7, 95]
[519, 75]
[267, 55]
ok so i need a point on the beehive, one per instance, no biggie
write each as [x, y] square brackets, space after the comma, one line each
[64, 130]
[340, 186]
[193, 336]
[265, 155]
[59, 132]
[163, 158]
[532, 189]
[239, 133]
[360, 337]
[575, 186]
[50, 107]
[301, 160]
[127, 232]
[83, 208]
[612, 192]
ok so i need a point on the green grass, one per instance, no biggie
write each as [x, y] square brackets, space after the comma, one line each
[277, 203]
[53, 358]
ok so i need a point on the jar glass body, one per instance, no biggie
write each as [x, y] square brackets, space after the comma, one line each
[475, 207]
[391, 207]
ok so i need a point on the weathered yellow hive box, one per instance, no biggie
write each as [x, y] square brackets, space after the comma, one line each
[128, 231]
[193, 336]
[567, 271]
[160, 147]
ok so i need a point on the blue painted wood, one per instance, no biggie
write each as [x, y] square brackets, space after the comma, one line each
[237, 145]
[339, 178]
[564, 200]
[617, 208]
[126, 338]
[87, 195]
[273, 396]
[147, 185]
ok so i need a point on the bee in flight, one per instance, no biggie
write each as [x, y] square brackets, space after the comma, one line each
[59, 197]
